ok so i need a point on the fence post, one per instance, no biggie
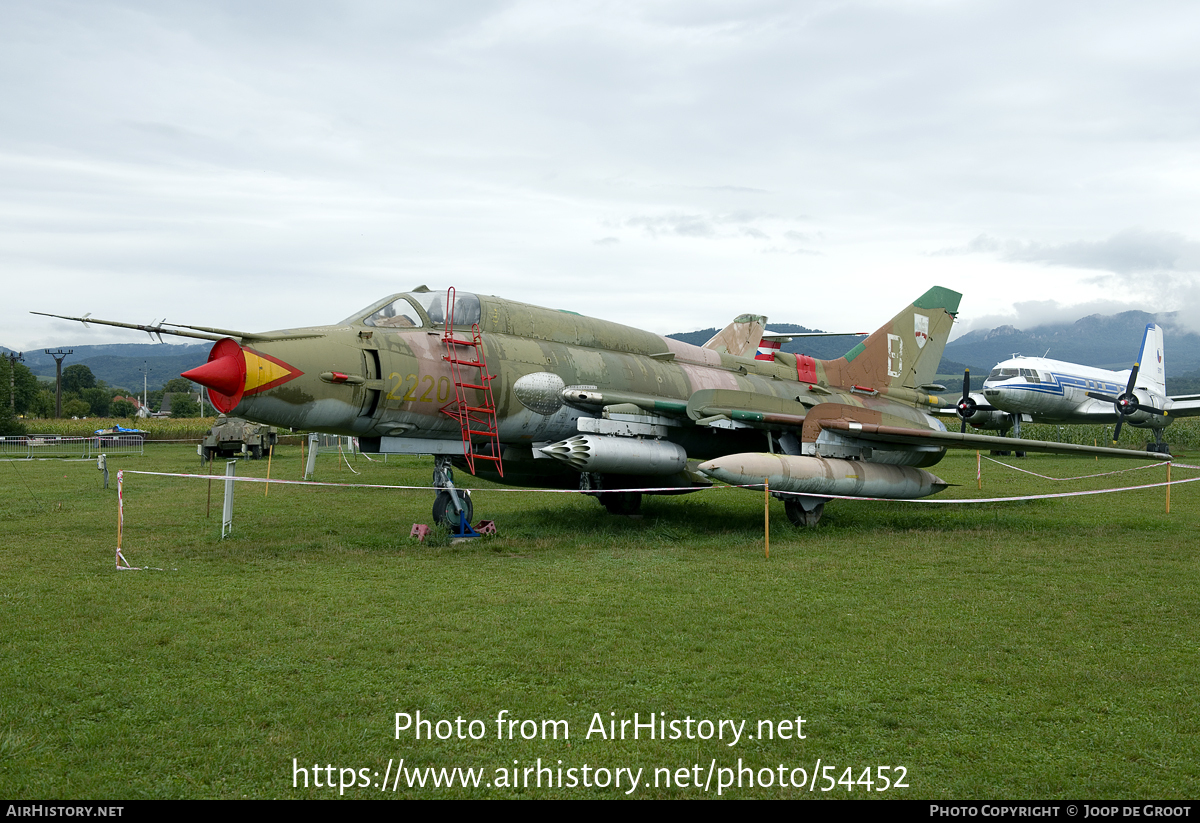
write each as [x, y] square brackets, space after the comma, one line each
[227, 513]
[311, 466]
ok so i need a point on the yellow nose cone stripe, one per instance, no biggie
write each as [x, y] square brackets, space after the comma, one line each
[265, 372]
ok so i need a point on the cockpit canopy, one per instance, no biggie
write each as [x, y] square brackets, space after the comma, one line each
[999, 375]
[410, 311]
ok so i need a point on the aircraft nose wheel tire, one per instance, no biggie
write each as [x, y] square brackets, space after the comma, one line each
[803, 517]
[443, 509]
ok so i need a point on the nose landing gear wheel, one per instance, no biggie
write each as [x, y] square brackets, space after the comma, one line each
[443, 508]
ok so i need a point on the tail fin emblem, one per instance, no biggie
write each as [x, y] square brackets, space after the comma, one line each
[921, 329]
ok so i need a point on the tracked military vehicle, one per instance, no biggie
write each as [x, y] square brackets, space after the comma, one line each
[233, 437]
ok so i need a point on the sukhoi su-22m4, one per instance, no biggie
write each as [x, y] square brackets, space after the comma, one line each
[530, 396]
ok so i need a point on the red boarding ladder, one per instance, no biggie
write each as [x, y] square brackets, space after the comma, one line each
[481, 440]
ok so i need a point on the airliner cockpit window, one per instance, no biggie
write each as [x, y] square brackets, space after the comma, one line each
[466, 307]
[399, 314]
[1002, 374]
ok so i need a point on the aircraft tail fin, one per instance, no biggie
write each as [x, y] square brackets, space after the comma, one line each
[905, 351]
[1152, 370]
[741, 337]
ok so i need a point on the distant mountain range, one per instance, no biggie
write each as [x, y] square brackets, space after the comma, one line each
[1109, 342]
[1106, 341]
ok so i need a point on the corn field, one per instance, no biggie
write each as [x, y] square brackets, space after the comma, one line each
[1183, 432]
[161, 429]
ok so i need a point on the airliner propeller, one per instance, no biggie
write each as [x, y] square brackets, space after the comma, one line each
[967, 406]
[1126, 403]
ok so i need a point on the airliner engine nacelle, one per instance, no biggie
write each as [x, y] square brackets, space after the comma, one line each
[990, 420]
[1135, 409]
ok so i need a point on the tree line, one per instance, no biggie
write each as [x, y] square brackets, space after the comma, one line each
[22, 394]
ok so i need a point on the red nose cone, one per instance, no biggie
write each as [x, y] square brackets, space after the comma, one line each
[224, 375]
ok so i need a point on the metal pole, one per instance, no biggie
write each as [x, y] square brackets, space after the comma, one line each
[58, 356]
[13, 358]
[145, 370]
[267, 485]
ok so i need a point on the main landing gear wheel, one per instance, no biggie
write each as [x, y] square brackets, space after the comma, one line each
[443, 508]
[804, 512]
[614, 502]
[626, 503]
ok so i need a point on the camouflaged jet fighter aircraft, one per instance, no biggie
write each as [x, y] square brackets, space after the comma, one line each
[539, 397]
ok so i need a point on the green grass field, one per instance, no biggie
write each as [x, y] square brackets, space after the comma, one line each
[1042, 649]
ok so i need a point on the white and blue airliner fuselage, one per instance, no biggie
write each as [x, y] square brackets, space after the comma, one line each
[1052, 391]
[1041, 390]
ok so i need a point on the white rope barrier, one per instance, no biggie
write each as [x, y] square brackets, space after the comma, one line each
[123, 565]
[652, 489]
[1082, 476]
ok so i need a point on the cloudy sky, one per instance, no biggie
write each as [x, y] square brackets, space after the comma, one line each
[259, 165]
